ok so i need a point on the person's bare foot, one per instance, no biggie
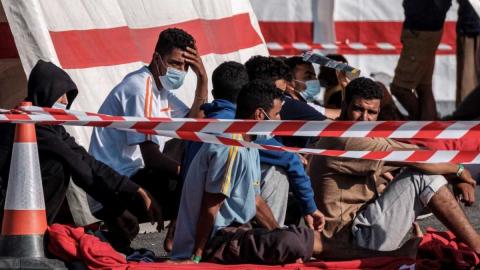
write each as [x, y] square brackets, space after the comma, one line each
[168, 243]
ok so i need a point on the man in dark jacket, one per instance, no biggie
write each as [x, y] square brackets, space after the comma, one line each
[61, 158]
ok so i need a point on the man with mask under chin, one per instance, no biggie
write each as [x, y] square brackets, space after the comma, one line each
[147, 92]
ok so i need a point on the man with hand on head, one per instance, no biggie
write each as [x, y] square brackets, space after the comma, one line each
[147, 92]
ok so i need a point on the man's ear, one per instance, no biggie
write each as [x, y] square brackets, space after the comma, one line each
[258, 114]
[159, 67]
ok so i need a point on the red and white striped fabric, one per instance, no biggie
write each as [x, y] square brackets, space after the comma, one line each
[206, 130]
[201, 129]
[345, 129]
[99, 41]
[367, 32]
[415, 156]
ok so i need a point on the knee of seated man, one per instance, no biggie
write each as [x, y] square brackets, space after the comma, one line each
[274, 178]
[293, 247]
[430, 185]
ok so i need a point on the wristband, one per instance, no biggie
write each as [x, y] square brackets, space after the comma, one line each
[196, 258]
[460, 170]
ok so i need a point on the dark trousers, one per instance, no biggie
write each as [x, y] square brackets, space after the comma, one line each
[244, 244]
[124, 228]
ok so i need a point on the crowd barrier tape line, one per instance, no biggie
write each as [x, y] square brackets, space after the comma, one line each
[410, 156]
[346, 129]
[207, 130]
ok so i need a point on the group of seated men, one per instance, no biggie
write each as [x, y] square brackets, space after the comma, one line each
[231, 204]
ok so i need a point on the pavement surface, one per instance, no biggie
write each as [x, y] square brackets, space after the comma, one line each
[152, 240]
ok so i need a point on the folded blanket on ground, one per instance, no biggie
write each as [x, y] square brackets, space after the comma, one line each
[437, 249]
[445, 248]
[73, 244]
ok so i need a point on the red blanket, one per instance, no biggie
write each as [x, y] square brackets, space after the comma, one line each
[446, 249]
[73, 244]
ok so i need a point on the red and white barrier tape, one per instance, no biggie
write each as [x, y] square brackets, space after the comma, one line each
[416, 156]
[200, 129]
[390, 129]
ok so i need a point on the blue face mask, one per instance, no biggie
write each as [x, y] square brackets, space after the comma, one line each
[58, 105]
[172, 79]
[311, 91]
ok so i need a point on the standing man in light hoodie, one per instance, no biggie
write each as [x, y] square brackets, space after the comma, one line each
[147, 92]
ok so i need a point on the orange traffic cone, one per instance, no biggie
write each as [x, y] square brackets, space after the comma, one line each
[24, 219]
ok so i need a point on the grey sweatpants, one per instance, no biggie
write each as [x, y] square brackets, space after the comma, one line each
[384, 223]
[274, 190]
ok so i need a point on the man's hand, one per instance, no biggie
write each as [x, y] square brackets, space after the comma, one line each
[464, 192]
[466, 177]
[153, 209]
[342, 78]
[303, 160]
[315, 220]
[195, 61]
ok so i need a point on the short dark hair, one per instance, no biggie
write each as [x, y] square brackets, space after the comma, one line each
[228, 79]
[256, 94]
[362, 88]
[267, 68]
[327, 76]
[294, 61]
[173, 38]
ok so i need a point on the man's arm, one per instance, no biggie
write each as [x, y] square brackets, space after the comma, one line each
[201, 93]
[332, 113]
[211, 204]
[264, 214]
[437, 168]
[113, 190]
[153, 158]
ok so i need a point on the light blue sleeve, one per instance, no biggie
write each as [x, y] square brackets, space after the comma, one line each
[222, 169]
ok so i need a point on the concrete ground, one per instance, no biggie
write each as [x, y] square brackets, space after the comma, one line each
[154, 241]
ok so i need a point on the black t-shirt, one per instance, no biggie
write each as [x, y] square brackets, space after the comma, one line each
[468, 23]
[297, 110]
[425, 15]
[293, 109]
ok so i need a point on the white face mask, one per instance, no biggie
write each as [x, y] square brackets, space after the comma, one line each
[172, 79]
[58, 105]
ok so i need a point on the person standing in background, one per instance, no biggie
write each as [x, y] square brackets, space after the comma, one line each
[468, 50]
[422, 32]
